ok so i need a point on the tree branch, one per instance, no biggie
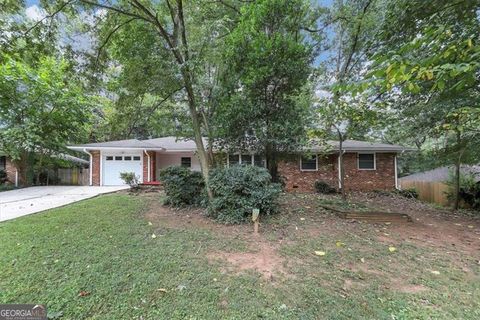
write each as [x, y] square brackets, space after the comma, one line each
[48, 16]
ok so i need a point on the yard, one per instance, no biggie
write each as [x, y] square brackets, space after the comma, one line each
[123, 256]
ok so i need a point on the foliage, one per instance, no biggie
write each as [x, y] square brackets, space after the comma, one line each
[469, 189]
[410, 193]
[269, 93]
[3, 176]
[130, 178]
[238, 190]
[42, 107]
[182, 186]
[323, 187]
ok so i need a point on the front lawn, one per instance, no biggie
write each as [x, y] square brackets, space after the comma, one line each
[127, 257]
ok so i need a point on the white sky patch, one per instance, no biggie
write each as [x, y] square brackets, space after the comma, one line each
[35, 13]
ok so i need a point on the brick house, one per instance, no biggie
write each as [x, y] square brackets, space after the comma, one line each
[13, 175]
[7, 166]
[368, 166]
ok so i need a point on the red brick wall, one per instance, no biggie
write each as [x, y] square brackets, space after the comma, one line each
[11, 170]
[95, 167]
[383, 178]
[303, 181]
[152, 166]
[355, 180]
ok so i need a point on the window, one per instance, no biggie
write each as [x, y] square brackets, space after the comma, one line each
[308, 163]
[136, 158]
[366, 161]
[3, 163]
[246, 159]
[127, 158]
[118, 158]
[259, 161]
[109, 158]
[233, 159]
[186, 162]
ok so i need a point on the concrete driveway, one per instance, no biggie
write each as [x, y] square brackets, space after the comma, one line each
[20, 202]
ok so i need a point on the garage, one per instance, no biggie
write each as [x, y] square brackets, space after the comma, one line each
[113, 164]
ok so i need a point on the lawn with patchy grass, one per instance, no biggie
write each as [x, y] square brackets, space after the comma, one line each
[128, 257]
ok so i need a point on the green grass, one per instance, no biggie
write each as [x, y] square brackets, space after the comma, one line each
[103, 246]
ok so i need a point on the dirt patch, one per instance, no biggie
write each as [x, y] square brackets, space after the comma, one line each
[432, 226]
[402, 286]
[264, 260]
[188, 217]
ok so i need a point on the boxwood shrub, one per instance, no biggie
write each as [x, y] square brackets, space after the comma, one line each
[239, 189]
[182, 186]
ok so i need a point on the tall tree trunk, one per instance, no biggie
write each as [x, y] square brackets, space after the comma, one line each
[197, 131]
[271, 160]
[458, 164]
[457, 184]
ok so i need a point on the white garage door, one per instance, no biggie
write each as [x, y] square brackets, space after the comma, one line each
[113, 164]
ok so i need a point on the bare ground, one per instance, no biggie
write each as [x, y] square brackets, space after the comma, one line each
[455, 235]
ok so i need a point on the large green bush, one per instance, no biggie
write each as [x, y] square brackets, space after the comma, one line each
[239, 189]
[182, 186]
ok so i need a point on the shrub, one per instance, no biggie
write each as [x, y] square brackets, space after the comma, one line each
[410, 193]
[469, 189]
[3, 176]
[239, 189]
[182, 186]
[130, 178]
[323, 187]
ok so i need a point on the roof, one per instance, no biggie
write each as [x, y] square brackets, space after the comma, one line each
[119, 144]
[62, 156]
[184, 144]
[176, 144]
[70, 158]
[441, 174]
[356, 145]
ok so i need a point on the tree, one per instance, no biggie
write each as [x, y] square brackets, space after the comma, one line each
[41, 108]
[182, 31]
[354, 24]
[344, 118]
[269, 93]
[429, 53]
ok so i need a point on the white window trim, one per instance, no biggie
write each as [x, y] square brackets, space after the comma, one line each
[252, 155]
[374, 161]
[316, 164]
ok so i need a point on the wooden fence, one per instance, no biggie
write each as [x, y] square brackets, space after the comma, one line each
[435, 192]
[74, 176]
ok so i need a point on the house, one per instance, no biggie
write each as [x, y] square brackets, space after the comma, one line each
[7, 166]
[13, 177]
[368, 166]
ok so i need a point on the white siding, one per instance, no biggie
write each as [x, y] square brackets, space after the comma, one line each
[166, 159]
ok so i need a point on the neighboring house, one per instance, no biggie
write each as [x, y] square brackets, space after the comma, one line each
[368, 166]
[7, 165]
[442, 174]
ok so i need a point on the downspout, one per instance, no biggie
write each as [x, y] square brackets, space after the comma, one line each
[396, 174]
[148, 165]
[340, 170]
[16, 178]
[91, 166]
[396, 171]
